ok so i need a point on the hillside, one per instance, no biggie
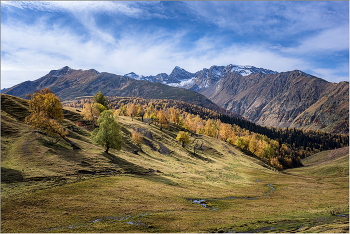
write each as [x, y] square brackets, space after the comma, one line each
[163, 188]
[68, 84]
[289, 99]
[266, 97]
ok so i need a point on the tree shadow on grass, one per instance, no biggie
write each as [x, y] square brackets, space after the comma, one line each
[10, 175]
[262, 161]
[198, 156]
[128, 167]
[131, 168]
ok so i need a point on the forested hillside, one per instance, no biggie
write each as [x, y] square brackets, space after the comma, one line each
[283, 148]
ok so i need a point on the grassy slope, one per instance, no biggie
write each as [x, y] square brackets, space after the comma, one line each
[42, 189]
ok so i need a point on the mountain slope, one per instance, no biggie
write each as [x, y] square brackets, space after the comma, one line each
[287, 99]
[68, 83]
[269, 98]
[165, 188]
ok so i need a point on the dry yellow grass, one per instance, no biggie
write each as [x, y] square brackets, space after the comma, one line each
[151, 191]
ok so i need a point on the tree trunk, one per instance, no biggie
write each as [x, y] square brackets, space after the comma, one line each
[64, 138]
[107, 149]
[72, 143]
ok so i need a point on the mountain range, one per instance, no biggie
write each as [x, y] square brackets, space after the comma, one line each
[68, 83]
[266, 97]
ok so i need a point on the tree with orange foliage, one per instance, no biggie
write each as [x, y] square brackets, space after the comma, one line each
[174, 115]
[45, 114]
[276, 164]
[136, 137]
[183, 137]
[210, 128]
[140, 111]
[132, 110]
[162, 119]
[92, 111]
[225, 131]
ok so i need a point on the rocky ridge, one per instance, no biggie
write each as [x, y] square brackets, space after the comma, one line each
[69, 83]
[266, 97]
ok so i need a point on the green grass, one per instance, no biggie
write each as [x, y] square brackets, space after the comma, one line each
[42, 191]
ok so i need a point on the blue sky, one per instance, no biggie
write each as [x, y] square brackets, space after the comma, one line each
[149, 38]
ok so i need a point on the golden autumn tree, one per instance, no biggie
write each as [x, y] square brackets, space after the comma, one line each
[210, 128]
[91, 111]
[162, 119]
[253, 144]
[174, 115]
[183, 137]
[140, 111]
[136, 137]
[45, 114]
[225, 131]
[132, 111]
[199, 125]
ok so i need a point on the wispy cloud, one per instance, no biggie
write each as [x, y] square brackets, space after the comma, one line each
[330, 40]
[76, 6]
[153, 37]
[145, 53]
[272, 19]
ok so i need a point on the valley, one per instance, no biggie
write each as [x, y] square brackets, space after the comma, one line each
[174, 117]
[53, 188]
[292, 99]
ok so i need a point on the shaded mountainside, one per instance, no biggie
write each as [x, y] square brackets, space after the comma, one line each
[68, 84]
[269, 98]
[287, 99]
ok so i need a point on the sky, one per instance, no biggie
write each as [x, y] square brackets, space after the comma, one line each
[150, 37]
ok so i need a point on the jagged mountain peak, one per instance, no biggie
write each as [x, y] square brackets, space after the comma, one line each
[247, 70]
[62, 71]
[179, 74]
[132, 75]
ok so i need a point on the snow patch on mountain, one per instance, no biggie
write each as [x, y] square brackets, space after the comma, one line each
[247, 70]
[181, 78]
[132, 75]
[185, 83]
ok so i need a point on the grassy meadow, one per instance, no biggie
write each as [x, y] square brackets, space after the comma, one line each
[53, 188]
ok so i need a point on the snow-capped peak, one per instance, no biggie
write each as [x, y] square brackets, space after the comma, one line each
[179, 77]
[132, 75]
[247, 70]
[179, 74]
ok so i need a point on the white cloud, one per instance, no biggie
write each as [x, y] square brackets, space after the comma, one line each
[331, 40]
[126, 8]
[34, 48]
[276, 19]
[30, 50]
[333, 75]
